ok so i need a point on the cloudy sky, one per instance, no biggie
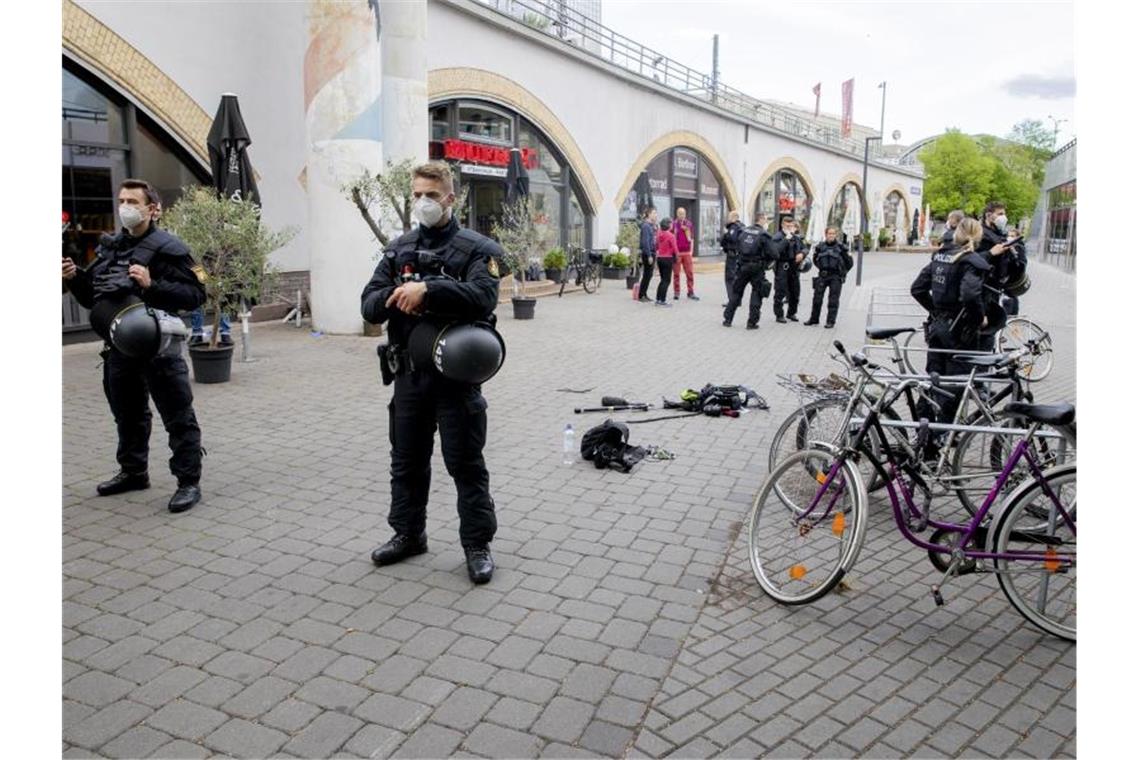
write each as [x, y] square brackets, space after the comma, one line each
[980, 67]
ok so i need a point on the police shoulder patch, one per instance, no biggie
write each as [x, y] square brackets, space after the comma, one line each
[493, 267]
[199, 272]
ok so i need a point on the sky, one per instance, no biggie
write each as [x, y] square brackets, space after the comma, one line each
[979, 67]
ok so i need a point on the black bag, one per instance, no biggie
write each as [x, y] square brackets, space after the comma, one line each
[606, 446]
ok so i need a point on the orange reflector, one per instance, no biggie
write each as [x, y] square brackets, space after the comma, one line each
[1052, 564]
[821, 477]
[839, 524]
[797, 572]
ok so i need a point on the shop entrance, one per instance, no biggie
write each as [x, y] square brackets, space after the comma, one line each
[691, 213]
[485, 205]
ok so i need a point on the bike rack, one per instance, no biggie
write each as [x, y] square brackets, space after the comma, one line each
[939, 427]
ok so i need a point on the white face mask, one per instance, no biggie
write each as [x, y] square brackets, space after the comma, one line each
[130, 216]
[1000, 223]
[427, 212]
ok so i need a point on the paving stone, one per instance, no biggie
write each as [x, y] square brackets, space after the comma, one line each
[140, 741]
[102, 726]
[606, 738]
[496, 741]
[331, 694]
[241, 738]
[214, 691]
[182, 749]
[430, 741]
[187, 720]
[563, 720]
[531, 688]
[97, 689]
[291, 715]
[259, 697]
[306, 664]
[464, 708]
[374, 741]
[324, 735]
[239, 666]
[428, 690]
[514, 713]
[393, 712]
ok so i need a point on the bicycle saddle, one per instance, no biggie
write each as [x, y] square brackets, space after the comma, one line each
[988, 360]
[1050, 414]
[882, 333]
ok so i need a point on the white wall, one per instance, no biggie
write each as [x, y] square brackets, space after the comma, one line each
[255, 50]
[614, 118]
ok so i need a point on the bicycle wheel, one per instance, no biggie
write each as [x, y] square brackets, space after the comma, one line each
[979, 457]
[803, 536]
[916, 357]
[591, 278]
[1019, 332]
[818, 420]
[1043, 591]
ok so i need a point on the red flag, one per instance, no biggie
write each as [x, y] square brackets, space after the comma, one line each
[816, 90]
[848, 106]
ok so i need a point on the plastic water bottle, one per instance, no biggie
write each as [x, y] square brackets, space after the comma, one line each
[568, 445]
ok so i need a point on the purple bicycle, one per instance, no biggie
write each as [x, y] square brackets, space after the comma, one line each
[809, 518]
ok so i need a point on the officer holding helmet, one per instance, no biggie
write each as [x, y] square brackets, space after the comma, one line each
[432, 277]
[140, 269]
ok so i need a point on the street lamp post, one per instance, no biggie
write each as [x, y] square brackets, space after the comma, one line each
[883, 110]
[863, 209]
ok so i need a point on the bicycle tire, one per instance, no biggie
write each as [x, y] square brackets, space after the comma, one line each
[798, 554]
[979, 457]
[908, 356]
[1053, 612]
[1018, 332]
[592, 278]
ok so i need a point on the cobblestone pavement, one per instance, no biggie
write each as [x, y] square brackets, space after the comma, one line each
[622, 619]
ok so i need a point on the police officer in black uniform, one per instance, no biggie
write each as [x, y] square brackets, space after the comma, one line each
[833, 262]
[461, 269]
[1008, 262]
[147, 263]
[756, 251]
[790, 254]
[950, 288]
[728, 244]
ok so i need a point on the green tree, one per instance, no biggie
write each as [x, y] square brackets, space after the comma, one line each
[1034, 133]
[1018, 173]
[959, 174]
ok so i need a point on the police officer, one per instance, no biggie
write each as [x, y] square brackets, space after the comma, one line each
[952, 220]
[461, 269]
[790, 254]
[143, 261]
[833, 262]
[755, 252]
[728, 244]
[950, 288]
[1007, 261]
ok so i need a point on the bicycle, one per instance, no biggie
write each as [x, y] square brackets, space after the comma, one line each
[587, 266]
[808, 520]
[964, 459]
[1017, 332]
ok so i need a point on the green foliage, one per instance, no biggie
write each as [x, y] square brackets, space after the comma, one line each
[555, 258]
[1034, 134]
[617, 260]
[522, 238]
[231, 243]
[628, 236]
[885, 235]
[384, 200]
[958, 174]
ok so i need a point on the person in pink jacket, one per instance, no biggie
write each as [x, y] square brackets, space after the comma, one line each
[683, 231]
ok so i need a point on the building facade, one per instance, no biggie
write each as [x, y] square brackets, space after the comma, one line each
[1054, 238]
[591, 111]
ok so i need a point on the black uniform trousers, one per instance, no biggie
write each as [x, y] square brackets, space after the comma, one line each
[129, 384]
[646, 275]
[731, 266]
[942, 333]
[832, 284]
[787, 278]
[421, 401]
[749, 273]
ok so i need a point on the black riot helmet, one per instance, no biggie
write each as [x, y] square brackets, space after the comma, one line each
[1018, 285]
[466, 353]
[805, 265]
[135, 331]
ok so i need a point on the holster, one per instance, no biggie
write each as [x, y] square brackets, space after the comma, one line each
[393, 362]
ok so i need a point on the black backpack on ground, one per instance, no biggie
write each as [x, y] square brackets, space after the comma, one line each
[606, 445]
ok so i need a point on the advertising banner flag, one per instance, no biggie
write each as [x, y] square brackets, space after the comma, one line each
[848, 105]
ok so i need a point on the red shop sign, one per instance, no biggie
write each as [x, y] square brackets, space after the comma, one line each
[477, 153]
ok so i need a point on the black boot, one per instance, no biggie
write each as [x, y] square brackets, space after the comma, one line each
[185, 497]
[400, 547]
[810, 322]
[123, 482]
[480, 565]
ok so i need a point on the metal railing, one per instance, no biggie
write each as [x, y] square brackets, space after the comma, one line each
[572, 27]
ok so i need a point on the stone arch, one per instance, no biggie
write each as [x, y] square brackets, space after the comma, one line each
[92, 43]
[896, 187]
[680, 139]
[784, 162]
[477, 83]
[840, 184]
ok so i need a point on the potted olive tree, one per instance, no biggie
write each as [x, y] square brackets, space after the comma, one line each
[629, 240]
[522, 238]
[615, 263]
[232, 245]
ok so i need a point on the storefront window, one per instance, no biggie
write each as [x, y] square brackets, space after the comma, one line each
[892, 207]
[156, 162]
[88, 115]
[576, 227]
[1061, 222]
[785, 193]
[439, 125]
[844, 213]
[479, 122]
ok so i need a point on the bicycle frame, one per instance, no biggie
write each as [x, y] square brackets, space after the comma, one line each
[968, 530]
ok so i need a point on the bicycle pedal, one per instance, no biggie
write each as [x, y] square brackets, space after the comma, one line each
[938, 600]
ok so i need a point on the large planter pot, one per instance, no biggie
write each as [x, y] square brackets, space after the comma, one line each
[554, 274]
[614, 273]
[211, 365]
[524, 307]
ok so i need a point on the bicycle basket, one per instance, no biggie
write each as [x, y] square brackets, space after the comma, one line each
[808, 386]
